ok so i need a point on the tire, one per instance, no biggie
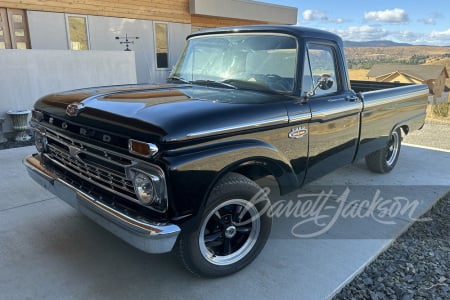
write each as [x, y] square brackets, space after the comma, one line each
[384, 160]
[232, 232]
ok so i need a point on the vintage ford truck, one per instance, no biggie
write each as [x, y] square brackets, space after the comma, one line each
[173, 166]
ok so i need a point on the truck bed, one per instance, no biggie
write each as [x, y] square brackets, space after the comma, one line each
[388, 105]
[360, 86]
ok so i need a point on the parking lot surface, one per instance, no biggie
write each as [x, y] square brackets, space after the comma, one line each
[50, 251]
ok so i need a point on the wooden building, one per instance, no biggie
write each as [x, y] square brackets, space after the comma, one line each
[161, 26]
[435, 76]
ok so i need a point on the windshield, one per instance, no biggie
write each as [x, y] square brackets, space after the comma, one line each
[249, 61]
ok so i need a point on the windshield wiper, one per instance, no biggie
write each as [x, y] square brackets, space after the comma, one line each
[214, 83]
[180, 79]
[253, 86]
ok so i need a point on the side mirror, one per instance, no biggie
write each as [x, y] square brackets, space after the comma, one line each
[325, 82]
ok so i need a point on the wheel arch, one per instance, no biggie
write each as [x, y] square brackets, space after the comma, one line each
[200, 171]
[259, 167]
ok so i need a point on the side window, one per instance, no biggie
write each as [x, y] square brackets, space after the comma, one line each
[307, 82]
[320, 61]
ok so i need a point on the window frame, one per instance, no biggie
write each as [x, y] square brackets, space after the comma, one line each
[336, 63]
[88, 40]
[156, 48]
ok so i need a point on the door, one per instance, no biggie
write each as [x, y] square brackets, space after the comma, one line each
[335, 112]
[5, 39]
[14, 32]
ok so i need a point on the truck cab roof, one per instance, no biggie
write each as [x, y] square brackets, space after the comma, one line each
[296, 31]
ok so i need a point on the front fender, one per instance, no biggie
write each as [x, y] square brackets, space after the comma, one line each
[191, 174]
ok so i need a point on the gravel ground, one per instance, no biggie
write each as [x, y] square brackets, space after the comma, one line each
[433, 134]
[417, 264]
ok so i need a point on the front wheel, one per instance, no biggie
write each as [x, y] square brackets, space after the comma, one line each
[234, 229]
[385, 159]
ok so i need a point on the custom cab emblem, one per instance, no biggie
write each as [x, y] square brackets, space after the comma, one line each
[73, 109]
[298, 132]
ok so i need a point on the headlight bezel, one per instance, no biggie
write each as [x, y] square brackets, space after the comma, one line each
[40, 141]
[155, 176]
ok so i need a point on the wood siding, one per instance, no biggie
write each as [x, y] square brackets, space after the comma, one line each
[161, 10]
[205, 21]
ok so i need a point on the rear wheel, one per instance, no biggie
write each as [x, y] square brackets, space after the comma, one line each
[385, 159]
[233, 230]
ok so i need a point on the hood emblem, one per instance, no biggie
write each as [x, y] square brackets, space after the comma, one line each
[73, 109]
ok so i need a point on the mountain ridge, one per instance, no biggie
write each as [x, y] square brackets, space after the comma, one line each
[376, 43]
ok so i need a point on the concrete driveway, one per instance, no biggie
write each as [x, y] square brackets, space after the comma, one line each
[50, 251]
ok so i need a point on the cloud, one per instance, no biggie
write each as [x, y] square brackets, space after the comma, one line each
[428, 21]
[432, 19]
[434, 38]
[363, 33]
[396, 15]
[314, 15]
[443, 36]
[319, 15]
[408, 37]
[373, 33]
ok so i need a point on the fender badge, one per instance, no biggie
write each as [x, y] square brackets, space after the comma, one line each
[298, 132]
[73, 109]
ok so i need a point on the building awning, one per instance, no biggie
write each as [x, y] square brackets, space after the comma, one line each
[244, 9]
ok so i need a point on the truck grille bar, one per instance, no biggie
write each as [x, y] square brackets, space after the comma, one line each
[102, 167]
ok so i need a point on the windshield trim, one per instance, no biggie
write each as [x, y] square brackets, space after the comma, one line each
[249, 33]
[243, 33]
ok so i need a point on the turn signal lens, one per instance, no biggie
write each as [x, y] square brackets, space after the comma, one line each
[37, 115]
[142, 148]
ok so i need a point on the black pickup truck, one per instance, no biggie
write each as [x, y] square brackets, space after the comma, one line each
[173, 166]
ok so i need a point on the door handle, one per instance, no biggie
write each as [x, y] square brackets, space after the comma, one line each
[351, 98]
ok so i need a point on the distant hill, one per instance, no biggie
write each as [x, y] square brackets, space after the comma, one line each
[374, 44]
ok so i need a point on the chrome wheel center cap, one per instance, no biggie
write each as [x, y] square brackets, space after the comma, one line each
[230, 232]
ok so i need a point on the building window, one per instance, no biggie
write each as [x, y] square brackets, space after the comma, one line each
[162, 45]
[14, 29]
[77, 29]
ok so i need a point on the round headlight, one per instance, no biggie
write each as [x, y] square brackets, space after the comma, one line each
[40, 141]
[143, 186]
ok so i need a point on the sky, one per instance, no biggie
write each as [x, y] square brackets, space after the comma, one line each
[415, 22]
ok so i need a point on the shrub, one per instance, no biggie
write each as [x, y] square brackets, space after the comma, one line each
[440, 110]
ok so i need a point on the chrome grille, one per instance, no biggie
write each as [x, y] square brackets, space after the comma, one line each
[102, 167]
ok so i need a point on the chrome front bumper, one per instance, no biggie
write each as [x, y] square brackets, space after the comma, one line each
[148, 237]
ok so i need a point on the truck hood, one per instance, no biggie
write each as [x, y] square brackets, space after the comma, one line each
[167, 113]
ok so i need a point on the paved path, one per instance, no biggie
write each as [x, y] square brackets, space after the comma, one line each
[50, 251]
